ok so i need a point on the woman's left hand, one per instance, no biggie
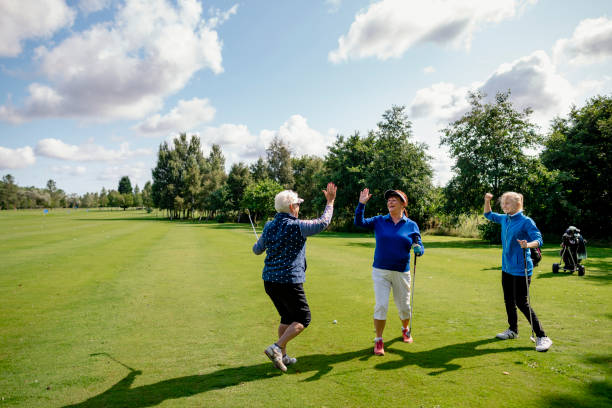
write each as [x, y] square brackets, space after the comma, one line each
[523, 243]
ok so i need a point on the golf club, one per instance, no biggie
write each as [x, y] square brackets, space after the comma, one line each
[528, 298]
[112, 358]
[252, 225]
[412, 291]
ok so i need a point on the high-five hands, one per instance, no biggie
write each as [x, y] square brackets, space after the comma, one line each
[364, 195]
[330, 193]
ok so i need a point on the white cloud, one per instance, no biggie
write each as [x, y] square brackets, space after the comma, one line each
[390, 27]
[443, 101]
[124, 68]
[429, 70]
[590, 43]
[333, 5]
[238, 143]
[57, 149]
[533, 82]
[70, 170]
[16, 158]
[91, 6]
[184, 117]
[138, 173]
[25, 19]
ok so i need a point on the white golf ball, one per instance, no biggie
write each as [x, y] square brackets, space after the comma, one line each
[335, 322]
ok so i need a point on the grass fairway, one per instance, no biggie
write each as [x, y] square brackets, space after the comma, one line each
[119, 309]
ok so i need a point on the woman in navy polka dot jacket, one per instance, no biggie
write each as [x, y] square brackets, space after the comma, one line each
[284, 272]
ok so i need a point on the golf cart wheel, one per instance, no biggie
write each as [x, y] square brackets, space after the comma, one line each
[581, 270]
[555, 268]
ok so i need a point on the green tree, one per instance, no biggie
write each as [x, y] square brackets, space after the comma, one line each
[488, 145]
[8, 192]
[238, 179]
[125, 186]
[309, 181]
[578, 150]
[103, 201]
[137, 197]
[147, 195]
[260, 170]
[53, 194]
[279, 163]
[399, 163]
[346, 164]
[259, 198]
[214, 176]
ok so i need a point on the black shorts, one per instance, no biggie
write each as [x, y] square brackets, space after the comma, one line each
[290, 302]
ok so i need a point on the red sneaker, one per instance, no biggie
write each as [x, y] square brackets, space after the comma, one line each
[406, 335]
[379, 348]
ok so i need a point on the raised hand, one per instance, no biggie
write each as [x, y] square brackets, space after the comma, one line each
[330, 192]
[364, 195]
[488, 197]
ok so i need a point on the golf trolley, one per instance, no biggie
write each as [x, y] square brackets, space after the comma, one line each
[573, 250]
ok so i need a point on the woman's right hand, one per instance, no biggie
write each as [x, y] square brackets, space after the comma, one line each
[488, 197]
[364, 195]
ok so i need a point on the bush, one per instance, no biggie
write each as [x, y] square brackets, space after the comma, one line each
[491, 232]
[463, 225]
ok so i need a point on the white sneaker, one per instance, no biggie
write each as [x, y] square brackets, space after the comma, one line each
[289, 360]
[543, 343]
[275, 354]
[508, 334]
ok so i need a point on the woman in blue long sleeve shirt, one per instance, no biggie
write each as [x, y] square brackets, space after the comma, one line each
[518, 234]
[395, 235]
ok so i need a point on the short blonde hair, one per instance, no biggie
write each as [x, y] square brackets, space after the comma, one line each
[284, 199]
[517, 198]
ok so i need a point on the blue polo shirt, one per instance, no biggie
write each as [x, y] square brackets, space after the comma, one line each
[393, 241]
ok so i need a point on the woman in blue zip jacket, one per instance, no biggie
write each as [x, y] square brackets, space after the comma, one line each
[518, 233]
[395, 234]
[284, 273]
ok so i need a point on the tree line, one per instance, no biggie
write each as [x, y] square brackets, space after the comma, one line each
[564, 173]
[13, 196]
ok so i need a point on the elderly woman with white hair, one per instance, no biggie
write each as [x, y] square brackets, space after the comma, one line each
[284, 272]
[518, 233]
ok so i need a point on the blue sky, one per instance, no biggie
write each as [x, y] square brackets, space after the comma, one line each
[90, 88]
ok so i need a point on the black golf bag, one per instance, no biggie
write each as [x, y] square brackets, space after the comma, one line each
[573, 251]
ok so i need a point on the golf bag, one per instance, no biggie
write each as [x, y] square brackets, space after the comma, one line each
[573, 251]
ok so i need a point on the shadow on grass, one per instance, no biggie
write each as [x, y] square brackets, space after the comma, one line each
[123, 395]
[597, 393]
[440, 359]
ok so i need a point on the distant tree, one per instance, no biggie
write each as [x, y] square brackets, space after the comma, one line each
[53, 194]
[103, 201]
[137, 197]
[488, 145]
[127, 201]
[125, 186]
[238, 180]
[279, 163]
[309, 181]
[398, 162]
[259, 170]
[347, 164]
[115, 199]
[147, 195]
[259, 198]
[8, 192]
[578, 150]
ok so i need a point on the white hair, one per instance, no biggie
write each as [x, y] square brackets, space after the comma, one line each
[284, 199]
